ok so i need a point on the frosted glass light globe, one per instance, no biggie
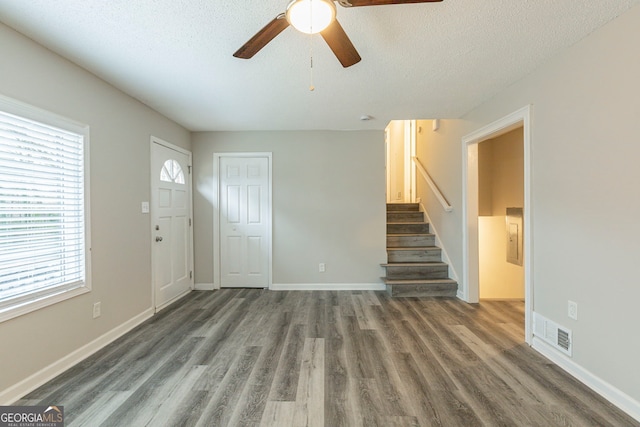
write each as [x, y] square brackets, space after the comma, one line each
[311, 16]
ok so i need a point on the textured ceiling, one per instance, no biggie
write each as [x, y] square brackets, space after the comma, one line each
[431, 60]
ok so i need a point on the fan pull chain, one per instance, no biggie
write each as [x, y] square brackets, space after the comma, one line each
[311, 86]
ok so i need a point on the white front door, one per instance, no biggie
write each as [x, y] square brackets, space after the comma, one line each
[171, 222]
[244, 221]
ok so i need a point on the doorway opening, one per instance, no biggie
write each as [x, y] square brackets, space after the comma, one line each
[500, 204]
[516, 226]
[400, 148]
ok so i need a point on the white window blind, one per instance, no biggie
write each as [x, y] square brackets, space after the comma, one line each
[42, 210]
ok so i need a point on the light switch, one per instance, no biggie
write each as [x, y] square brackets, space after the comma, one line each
[572, 310]
[145, 207]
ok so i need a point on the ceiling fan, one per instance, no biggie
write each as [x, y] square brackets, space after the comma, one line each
[315, 16]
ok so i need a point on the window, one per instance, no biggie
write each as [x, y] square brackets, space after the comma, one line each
[43, 209]
[172, 172]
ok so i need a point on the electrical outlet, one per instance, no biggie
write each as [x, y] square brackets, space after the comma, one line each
[572, 310]
[321, 267]
[96, 310]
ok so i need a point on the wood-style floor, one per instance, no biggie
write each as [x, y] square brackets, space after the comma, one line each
[255, 357]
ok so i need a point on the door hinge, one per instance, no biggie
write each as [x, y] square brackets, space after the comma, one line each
[189, 222]
[191, 275]
[189, 167]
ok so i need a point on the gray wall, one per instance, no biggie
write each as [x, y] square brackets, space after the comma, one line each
[121, 257]
[328, 203]
[585, 204]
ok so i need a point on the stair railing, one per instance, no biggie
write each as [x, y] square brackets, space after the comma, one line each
[445, 205]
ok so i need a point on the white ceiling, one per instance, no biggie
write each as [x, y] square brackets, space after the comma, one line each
[431, 60]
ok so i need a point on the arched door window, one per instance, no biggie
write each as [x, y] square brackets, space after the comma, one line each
[172, 172]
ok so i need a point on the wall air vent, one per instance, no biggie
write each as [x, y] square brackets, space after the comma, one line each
[563, 339]
[557, 336]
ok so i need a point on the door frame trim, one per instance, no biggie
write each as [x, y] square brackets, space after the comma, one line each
[470, 256]
[216, 212]
[163, 143]
[410, 138]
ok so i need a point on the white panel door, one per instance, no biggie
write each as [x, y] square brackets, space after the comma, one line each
[244, 221]
[171, 223]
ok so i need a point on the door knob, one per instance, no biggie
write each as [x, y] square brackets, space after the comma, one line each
[158, 239]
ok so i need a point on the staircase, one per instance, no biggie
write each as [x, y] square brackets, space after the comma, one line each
[414, 264]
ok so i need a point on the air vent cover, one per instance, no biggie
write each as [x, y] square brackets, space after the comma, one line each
[563, 339]
[557, 336]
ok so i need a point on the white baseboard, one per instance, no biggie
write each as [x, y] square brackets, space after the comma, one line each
[204, 287]
[603, 388]
[17, 391]
[327, 287]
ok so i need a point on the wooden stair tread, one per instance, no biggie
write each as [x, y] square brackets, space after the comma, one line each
[403, 207]
[414, 248]
[417, 281]
[415, 264]
[410, 234]
[405, 223]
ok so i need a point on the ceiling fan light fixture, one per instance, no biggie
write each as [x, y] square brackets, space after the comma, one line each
[311, 16]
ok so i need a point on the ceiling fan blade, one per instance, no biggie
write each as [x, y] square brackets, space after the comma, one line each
[357, 3]
[262, 37]
[340, 44]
